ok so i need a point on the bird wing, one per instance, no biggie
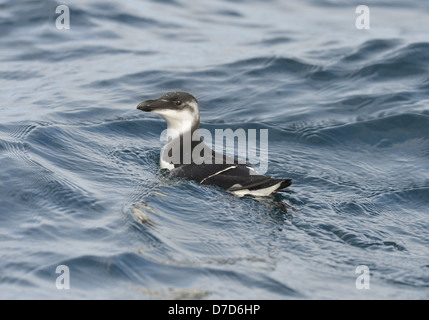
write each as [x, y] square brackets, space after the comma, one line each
[232, 177]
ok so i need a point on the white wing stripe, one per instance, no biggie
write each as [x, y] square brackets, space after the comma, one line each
[215, 174]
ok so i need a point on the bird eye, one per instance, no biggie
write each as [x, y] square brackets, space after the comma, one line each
[178, 103]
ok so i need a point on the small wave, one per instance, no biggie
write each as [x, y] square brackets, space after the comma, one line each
[229, 13]
[135, 78]
[375, 60]
[398, 128]
[15, 150]
[367, 105]
[371, 49]
[19, 75]
[272, 41]
[407, 61]
[359, 240]
[135, 20]
[73, 53]
[170, 2]
[281, 66]
[416, 196]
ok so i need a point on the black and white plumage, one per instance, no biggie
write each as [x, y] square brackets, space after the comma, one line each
[180, 110]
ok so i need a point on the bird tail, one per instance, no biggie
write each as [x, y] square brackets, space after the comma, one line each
[284, 183]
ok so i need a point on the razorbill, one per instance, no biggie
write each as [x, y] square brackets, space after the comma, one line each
[180, 110]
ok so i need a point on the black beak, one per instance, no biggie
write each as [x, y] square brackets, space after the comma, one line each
[147, 105]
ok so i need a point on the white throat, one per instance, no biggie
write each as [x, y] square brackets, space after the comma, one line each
[179, 122]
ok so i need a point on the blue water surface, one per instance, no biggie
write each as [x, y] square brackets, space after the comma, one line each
[347, 111]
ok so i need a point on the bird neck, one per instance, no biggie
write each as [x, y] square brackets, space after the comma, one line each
[181, 142]
[178, 128]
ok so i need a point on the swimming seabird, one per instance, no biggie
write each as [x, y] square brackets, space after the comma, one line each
[180, 110]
